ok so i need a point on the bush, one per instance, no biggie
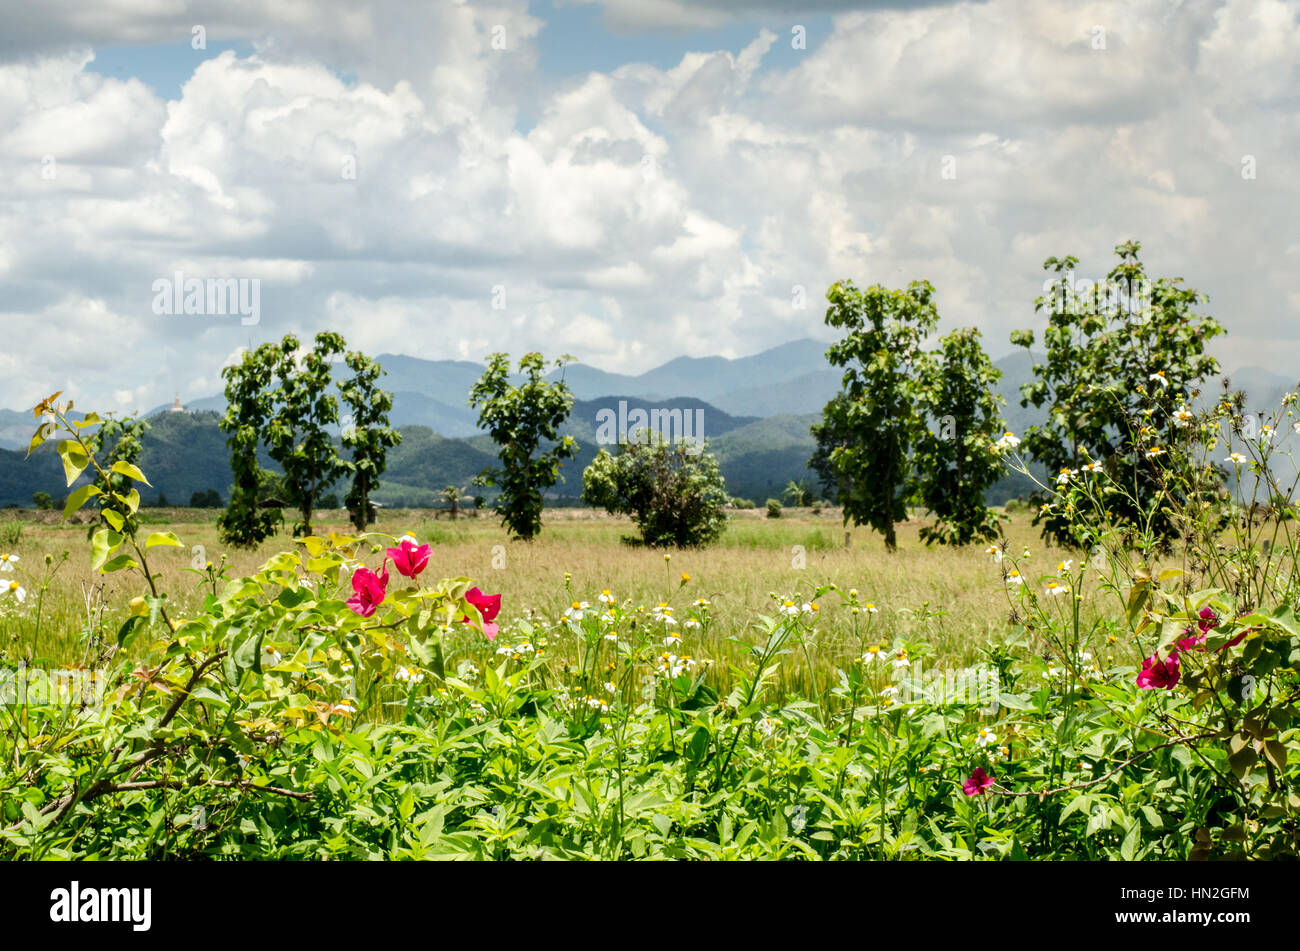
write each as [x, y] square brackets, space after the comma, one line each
[11, 533]
[43, 501]
[674, 495]
[739, 503]
[773, 508]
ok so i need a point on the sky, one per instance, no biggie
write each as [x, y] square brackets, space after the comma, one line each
[626, 181]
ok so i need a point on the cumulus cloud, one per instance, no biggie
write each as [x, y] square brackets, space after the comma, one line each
[372, 166]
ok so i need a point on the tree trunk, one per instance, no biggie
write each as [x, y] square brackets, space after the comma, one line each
[891, 540]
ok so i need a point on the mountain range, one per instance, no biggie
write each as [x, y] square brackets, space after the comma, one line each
[756, 414]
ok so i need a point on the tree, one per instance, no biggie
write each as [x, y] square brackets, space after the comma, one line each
[1122, 359]
[453, 496]
[207, 499]
[43, 501]
[835, 485]
[873, 421]
[799, 493]
[249, 403]
[521, 418]
[368, 437]
[297, 434]
[956, 461]
[675, 496]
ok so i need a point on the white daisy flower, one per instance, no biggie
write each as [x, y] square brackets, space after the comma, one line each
[986, 736]
[16, 590]
[1008, 441]
[1159, 377]
[1183, 416]
[576, 611]
[7, 562]
[995, 553]
[1014, 577]
[1057, 588]
[1237, 459]
[1065, 475]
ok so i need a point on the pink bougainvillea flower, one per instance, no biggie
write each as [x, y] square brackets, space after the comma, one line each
[1191, 641]
[1158, 674]
[978, 783]
[1237, 640]
[489, 606]
[1209, 619]
[409, 558]
[369, 590]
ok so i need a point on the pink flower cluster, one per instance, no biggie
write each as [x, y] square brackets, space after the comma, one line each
[369, 588]
[1157, 674]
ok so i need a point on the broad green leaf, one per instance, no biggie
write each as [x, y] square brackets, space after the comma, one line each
[162, 538]
[79, 498]
[130, 471]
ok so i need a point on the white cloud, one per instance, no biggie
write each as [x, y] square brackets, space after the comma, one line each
[646, 212]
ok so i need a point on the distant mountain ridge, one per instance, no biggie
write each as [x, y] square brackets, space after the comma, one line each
[757, 411]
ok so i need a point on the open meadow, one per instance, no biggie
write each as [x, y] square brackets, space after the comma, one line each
[952, 600]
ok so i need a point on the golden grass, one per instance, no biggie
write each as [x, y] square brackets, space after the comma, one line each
[755, 557]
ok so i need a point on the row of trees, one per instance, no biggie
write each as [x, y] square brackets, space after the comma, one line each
[912, 426]
[282, 396]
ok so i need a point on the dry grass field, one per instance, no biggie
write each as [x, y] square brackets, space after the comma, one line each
[953, 600]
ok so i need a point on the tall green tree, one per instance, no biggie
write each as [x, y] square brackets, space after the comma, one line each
[523, 419]
[873, 420]
[1122, 359]
[368, 437]
[297, 435]
[249, 402]
[955, 460]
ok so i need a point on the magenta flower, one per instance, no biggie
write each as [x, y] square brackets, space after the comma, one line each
[489, 606]
[1191, 641]
[409, 558]
[1158, 674]
[369, 590]
[1209, 619]
[977, 784]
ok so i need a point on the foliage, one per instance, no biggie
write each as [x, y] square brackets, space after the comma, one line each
[522, 418]
[297, 434]
[318, 710]
[120, 440]
[675, 494]
[368, 437]
[249, 403]
[799, 493]
[873, 425]
[207, 499]
[43, 501]
[774, 508]
[1123, 361]
[957, 463]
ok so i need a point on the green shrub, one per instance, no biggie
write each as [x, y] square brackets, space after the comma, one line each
[773, 508]
[675, 495]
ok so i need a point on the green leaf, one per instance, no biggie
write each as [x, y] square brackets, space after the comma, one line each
[74, 460]
[130, 629]
[99, 548]
[79, 498]
[118, 564]
[162, 538]
[126, 469]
